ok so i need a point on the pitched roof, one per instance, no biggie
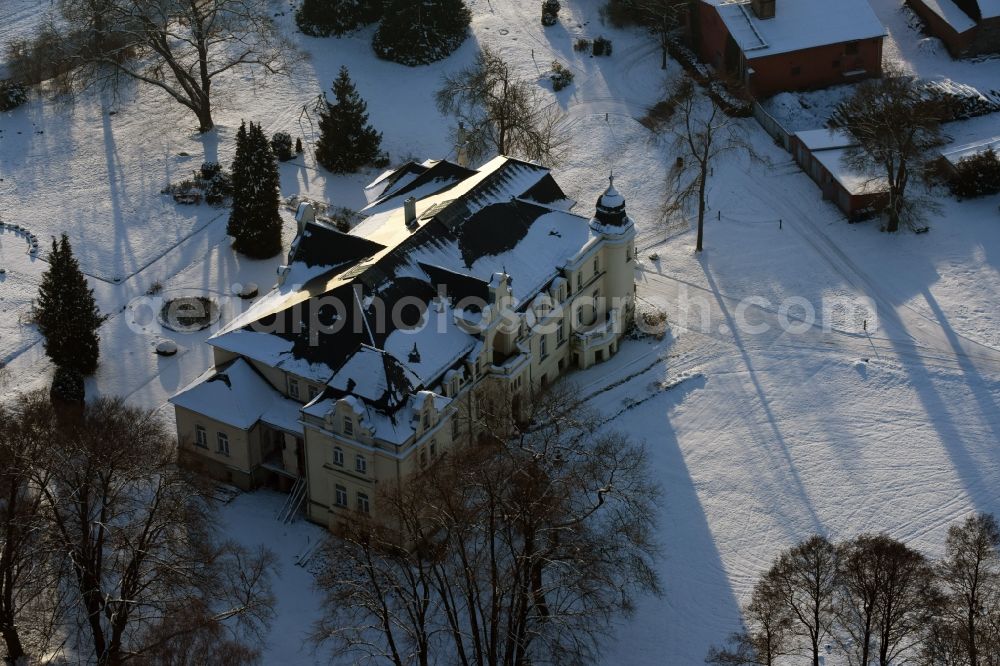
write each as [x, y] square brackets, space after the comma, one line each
[332, 313]
[798, 25]
[237, 395]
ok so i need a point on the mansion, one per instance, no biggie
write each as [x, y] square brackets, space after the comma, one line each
[358, 367]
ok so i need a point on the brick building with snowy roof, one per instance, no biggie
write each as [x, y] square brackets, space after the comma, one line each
[355, 368]
[772, 46]
[967, 27]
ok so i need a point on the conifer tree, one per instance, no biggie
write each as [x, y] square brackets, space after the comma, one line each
[254, 222]
[347, 142]
[66, 313]
[416, 33]
[321, 18]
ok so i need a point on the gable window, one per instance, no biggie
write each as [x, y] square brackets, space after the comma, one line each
[293, 387]
[348, 426]
[338, 456]
[597, 265]
[340, 495]
[200, 437]
[427, 421]
[579, 280]
[313, 392]
[222, 442]
[363, 506]
[360, 464]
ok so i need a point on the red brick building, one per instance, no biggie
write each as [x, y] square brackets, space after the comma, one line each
[776, 45]
[967, 27]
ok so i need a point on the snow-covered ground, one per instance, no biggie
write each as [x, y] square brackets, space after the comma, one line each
[774, 435]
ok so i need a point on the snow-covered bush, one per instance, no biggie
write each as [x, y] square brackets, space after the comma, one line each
[418, 33]
[550, 12]
[322, 18]
[976, 176]
[281, 144]
[12, 94]
[560, 76]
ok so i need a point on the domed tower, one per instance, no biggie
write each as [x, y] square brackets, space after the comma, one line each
[612, 223]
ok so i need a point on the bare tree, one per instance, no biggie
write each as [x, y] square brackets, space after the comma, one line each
[768, 629]
[29, 599]
[663, 18]
[702, 133]
[144, 563]
[513, 551]
[179, 46]
[885, 593]
[805, 577]
[897, 127]
[970, 576]
[500, 113]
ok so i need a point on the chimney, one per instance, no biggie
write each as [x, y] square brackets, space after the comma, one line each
[763, 9]
[410, 212]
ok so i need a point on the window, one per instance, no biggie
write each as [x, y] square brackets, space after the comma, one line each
[454, 427]
[427, 421]
[340, 495]
[628, 252]
[363, 506]
[313, 392]
[201, 437]
[423, 458]
[597, 265]
[579, 280]
[796, 70]
[348, 426]
[360, 464]
[338, 456]
[293, 387]
[222, 441]
[434, 446]
[561, 333]
[543, 346]
[851, 48]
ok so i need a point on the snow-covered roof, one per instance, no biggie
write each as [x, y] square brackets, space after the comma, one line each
[955, 154]
[798, 25]
[326, 321]
[825, 139]
[237, 395]
[851, 180]
[951, 14]
[989, 8]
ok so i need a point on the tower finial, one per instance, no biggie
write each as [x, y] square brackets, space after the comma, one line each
[611, 178]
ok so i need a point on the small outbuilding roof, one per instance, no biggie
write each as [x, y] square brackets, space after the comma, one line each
[798, 25]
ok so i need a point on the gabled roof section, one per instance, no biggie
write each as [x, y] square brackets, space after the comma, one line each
[234, 394]
[375, 377]
[798, 25]
[429, 182]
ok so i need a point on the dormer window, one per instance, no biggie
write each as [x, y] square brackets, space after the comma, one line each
[427, 421]
[348, 426]
[313, 392]
[293, 388]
